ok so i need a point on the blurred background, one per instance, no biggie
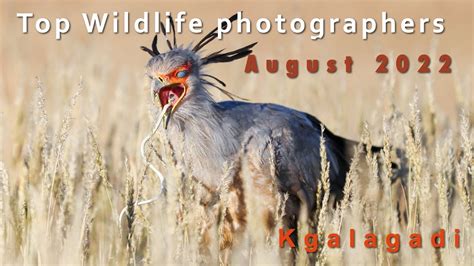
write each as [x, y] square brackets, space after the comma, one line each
[73, 113]
[25, 56]
[340, 100]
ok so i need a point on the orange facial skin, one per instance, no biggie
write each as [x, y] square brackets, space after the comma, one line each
[173, 80]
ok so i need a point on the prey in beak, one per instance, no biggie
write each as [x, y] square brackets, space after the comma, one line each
[170, 89]
[170, 95]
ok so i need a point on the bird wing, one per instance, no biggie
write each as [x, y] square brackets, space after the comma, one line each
[296, 137]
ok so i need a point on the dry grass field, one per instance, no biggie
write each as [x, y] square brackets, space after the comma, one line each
[70, 135]
[71, 163]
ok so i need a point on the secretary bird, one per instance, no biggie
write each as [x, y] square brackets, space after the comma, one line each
[282, 145]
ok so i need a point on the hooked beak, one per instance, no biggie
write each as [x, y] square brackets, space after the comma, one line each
[172, 95]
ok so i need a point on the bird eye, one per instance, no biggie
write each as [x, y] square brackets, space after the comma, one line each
[182, 74]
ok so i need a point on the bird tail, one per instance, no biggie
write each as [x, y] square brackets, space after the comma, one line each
[346, 150]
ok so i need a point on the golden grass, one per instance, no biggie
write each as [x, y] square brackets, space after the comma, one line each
[70, 161]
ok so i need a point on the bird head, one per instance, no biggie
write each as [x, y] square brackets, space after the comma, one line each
[177, 77]
[173, 75]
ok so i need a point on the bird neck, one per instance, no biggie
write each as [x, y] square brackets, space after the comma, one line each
[196, 131]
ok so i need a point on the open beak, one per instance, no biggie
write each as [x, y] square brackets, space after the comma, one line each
[170, 94]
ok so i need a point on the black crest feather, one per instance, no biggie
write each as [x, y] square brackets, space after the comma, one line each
[163, 30]
[216, 57]
[154, 49]
[146, 49]
[153, 45]
[212, 35]
[174, 31]
[220, 57]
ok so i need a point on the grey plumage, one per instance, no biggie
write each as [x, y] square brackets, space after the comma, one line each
[209, 134]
